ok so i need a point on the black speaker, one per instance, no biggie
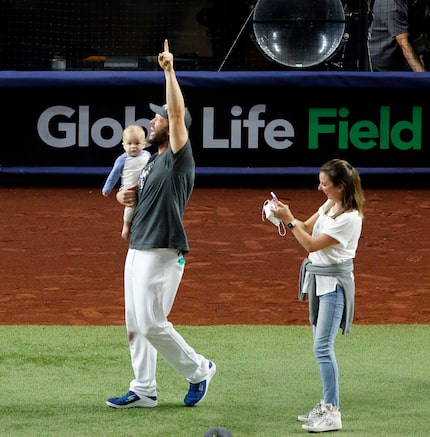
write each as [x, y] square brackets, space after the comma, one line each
[356, 51]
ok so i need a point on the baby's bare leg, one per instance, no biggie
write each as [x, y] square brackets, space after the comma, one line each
[125, 233]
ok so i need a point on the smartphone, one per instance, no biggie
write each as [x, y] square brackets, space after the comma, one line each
[274, 197]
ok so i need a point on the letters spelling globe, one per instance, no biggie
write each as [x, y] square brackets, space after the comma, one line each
[299, 33]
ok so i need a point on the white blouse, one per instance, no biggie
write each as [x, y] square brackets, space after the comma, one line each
[346, 229]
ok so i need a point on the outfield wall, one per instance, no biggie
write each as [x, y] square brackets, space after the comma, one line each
[270, 123]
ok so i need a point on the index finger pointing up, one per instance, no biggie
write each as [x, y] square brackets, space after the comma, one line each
[166, 45]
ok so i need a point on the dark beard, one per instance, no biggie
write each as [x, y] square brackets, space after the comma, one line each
[158, 139]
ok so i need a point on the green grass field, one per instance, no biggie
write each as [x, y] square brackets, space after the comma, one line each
[55, 379]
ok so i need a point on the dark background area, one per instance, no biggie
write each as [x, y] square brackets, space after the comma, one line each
[205, 34]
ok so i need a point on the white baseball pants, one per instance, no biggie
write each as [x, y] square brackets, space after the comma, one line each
[151, 281]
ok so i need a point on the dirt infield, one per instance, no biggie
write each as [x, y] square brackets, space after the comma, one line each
[62, 257]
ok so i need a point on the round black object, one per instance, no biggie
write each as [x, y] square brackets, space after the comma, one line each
[299, 33]
[218, 431]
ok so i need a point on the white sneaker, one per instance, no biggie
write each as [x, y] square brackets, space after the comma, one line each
[327, 421]
[315, 412]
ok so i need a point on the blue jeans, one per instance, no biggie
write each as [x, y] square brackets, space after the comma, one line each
[330, 312]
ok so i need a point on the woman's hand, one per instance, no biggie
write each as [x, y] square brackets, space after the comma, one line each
[127, 196]
[282, 212]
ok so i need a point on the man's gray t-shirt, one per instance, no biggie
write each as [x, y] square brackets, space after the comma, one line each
[392, 18]
[163, 191]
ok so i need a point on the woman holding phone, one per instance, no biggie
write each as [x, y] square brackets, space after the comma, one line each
[330, 236]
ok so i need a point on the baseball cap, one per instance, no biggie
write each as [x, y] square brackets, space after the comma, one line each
[162, 110]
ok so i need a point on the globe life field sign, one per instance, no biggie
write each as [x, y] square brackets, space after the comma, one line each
[245, 120]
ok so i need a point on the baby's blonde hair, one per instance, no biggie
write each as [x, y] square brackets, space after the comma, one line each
[135, 130]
